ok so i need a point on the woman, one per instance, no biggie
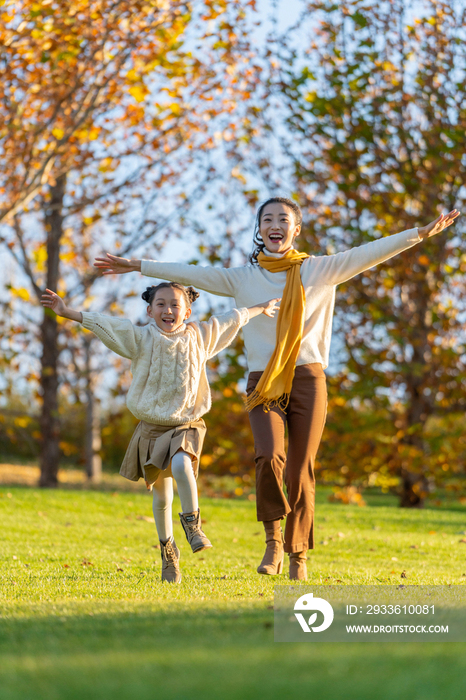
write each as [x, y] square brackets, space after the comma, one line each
[286, 357]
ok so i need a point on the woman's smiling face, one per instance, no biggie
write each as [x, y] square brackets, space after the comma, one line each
[278, 227]
[169, 309]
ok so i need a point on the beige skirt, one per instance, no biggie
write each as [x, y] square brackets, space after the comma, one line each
[152, 447]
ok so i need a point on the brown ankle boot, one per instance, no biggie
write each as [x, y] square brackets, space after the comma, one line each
[298, 568]
[170, 561]
[196, 537]
[272, 562]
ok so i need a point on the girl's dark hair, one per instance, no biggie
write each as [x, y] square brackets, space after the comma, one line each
[258, 243]
[190, 294]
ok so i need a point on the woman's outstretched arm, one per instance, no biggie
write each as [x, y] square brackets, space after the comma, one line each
[335, 269]
[216, 280]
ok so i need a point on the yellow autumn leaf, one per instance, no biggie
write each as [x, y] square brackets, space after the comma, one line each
[236, 173]
[139, 92]
[40, 258]
[21, 293]
[58, 133]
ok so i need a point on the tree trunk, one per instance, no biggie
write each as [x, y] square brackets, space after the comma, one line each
[414, 489]
[49, 423]
[93, 437]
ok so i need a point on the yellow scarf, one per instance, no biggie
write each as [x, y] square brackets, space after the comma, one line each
[274, 386]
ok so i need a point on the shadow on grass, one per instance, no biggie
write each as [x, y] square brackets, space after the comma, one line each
[209, 652]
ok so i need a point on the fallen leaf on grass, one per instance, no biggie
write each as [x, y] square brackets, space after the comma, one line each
[463, 540]
[66, 566]
[146, 518]
[341, 534]
[155, 546]
[414, 546]
[86, 563]
[118, 569]
[403, 574]
[223, 577]
[432, 532]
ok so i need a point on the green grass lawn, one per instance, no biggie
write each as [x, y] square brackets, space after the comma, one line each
[84, 614]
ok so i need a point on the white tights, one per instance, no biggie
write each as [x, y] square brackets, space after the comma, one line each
[182, 472]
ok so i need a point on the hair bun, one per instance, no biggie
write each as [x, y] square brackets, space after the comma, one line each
[192, 294]
[146, 296]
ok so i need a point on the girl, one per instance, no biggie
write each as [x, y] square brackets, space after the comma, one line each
[286, 357]
[169, 394]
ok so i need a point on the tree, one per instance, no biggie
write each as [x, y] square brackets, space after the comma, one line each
[377, 114]
[102, 104]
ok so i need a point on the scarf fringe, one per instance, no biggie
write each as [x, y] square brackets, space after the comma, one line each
[256, 399]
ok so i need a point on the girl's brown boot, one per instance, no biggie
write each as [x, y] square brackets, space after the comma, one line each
[272, 562]
[170, 561]
[196, 537]
[298, 568]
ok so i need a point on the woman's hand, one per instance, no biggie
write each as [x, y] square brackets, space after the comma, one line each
[443, 221]
[112, 265]
[51, 300]
[267, 307]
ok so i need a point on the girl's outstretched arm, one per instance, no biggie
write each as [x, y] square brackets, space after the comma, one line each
[219, 331]
[118, 334]
[51, 300]
[267, 307]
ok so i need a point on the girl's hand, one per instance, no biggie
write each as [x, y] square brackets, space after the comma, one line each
[52, 301]
[443, 221]
[269, 308]
[112, 265]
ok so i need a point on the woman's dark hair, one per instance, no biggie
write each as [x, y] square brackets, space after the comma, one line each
[190, 294]
[258, 243]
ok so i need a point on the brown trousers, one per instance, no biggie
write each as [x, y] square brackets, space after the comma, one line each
[305, 418]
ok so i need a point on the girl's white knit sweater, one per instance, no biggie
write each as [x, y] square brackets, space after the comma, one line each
[251, 284]
[170, 385]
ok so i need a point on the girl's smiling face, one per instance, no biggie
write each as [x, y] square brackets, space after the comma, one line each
[169, 309]
[278, 227]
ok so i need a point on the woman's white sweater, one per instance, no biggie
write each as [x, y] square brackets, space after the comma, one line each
[170, 385]
[251, 284]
